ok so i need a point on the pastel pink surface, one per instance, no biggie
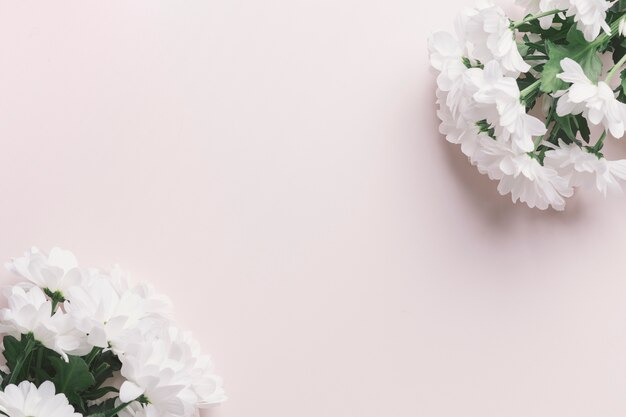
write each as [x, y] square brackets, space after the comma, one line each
[275, 167]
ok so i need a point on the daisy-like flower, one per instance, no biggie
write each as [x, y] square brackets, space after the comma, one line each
[582, 168]
[111, 318]
[454, 129]
[55, 272]
[460, 131]
[498, 101]
[454, 92]
[29, 311]
[522, 176]
[590, 16]
[151, 375]
[540, 6]
[169, 370]
[28, 400]
[597, 103]
[185, 351]
[446, 56]
[486, 32]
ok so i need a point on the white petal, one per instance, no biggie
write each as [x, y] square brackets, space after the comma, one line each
[130, 391]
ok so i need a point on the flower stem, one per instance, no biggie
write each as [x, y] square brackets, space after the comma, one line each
[21, 360]
[615, 68]
[604, 37]
[515, 25]
[111, 413]
[529, 90]
[536, 57]
[598, 146]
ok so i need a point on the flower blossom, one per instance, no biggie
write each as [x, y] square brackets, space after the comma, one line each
[111, 317]
[582, 168]
[26, 399]
[55, 272]
[597, 103]
[522, 176]
[29, 311]
[497, 100]
[541, 6]
[590, 16]
[168, 369]
[486, 32]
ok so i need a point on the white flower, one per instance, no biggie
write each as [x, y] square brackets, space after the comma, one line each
[27, 400]
[459, 131]
[498, 101]
[56, 271]
[445, 50]
[29, 311]
[522, 176]
[590, 16]
[446, 56]
[597, 103]
[185, 352]
[486, 32]
[454, 92]
[582, 168]
[168, 367]
[168, 393]
[454, 129]
[111, 318]
[535, 7]
[163, 372]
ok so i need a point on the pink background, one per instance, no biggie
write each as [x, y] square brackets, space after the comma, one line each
[275, 167]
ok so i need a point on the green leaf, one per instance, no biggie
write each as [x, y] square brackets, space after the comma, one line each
[575, 37]
[73, 376]
[620, 6]
[103, 367]
[17, 354]
[583, 127]
[565, 124]
[100, 392]
[549, 82]
[12, 350]
[579, 50]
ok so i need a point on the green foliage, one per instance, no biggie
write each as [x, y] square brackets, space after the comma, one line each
[17, 354]
[544, 49]
[72, 378]
[81, 379]
[485, 127]
[567, 128]
[619, 6]
[576, 48]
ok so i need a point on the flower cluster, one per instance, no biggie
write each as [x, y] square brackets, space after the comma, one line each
[85, 342]
[530, 101]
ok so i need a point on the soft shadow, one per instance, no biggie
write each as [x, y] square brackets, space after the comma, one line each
[497, 211]
[210, 412]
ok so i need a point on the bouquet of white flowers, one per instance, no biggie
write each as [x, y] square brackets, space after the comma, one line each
[531, 102]
[83, 341]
